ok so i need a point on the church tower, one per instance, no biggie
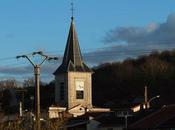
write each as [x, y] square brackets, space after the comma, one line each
[73, 76]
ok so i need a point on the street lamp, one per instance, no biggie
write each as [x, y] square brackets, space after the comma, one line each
[148, 103]
[37, 82]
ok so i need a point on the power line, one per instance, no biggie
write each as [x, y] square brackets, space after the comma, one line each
[111, 53]
[101, 52]
[89, 50]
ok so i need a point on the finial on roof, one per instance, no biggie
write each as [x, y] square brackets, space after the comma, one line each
[72, 9]
[72, 59]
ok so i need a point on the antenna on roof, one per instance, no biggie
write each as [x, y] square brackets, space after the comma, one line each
[72, 9]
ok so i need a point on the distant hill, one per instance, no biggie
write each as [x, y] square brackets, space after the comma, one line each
[121, 83]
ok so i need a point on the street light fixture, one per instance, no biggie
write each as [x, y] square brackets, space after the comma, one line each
[158, 96]
[148, 103]
[37, 82]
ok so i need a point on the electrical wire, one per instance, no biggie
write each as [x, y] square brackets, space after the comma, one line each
[90, 55]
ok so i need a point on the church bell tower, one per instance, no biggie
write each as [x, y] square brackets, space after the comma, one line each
[73, 76]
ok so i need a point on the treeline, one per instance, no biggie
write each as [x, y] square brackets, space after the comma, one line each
[115, 84]
[122, 83]
[11, 94]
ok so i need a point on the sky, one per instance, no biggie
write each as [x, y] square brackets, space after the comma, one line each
[108, 31]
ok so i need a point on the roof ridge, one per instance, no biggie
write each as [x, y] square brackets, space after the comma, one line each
[163, 109]
[171, 115]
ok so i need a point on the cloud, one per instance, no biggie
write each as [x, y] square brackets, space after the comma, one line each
[114, 53]
[45, 69]
[15, 70]
[24, 72]
[121, 43]
[124, 42]
[152, 34]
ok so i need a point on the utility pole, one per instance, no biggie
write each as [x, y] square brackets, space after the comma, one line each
[146, 97]
[147, 102]
[126, 122]
[37, 83]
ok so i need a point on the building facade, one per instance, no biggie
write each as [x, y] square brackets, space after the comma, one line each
[73, 76]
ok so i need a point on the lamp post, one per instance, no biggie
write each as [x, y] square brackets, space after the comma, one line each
[37, 82]
[21, 103]
[146, 97]
[148, 103]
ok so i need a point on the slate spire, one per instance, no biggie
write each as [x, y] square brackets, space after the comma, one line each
[72, 60]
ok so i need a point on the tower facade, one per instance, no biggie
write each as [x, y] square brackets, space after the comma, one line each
[73, 76]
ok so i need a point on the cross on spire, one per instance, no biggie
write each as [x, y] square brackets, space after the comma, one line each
[72, 59]
[72, 9]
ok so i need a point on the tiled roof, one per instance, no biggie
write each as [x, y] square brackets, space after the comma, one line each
[72, 60]
[156, 119]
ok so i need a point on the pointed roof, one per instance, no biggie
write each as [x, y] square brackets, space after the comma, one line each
[72, 60]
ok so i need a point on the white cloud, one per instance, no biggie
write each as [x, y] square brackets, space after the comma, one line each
[138, 41]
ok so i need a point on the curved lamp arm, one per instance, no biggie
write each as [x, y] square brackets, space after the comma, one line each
[158, 96]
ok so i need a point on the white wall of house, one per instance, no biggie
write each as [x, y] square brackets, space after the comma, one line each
[54, 112]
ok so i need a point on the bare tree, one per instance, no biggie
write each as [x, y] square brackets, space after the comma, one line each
[154, 66]
[29, 82]
[9, 83]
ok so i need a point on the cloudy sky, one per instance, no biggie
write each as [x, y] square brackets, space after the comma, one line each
[108, 31]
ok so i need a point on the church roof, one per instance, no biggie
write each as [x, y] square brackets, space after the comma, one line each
[72, 60]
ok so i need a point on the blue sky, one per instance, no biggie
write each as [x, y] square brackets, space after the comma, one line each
[110, 29]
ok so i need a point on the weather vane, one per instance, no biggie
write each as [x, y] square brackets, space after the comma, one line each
[72, 9]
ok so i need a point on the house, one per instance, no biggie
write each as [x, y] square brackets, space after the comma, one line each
[84, 122]
[162, 119]
[97, 121]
